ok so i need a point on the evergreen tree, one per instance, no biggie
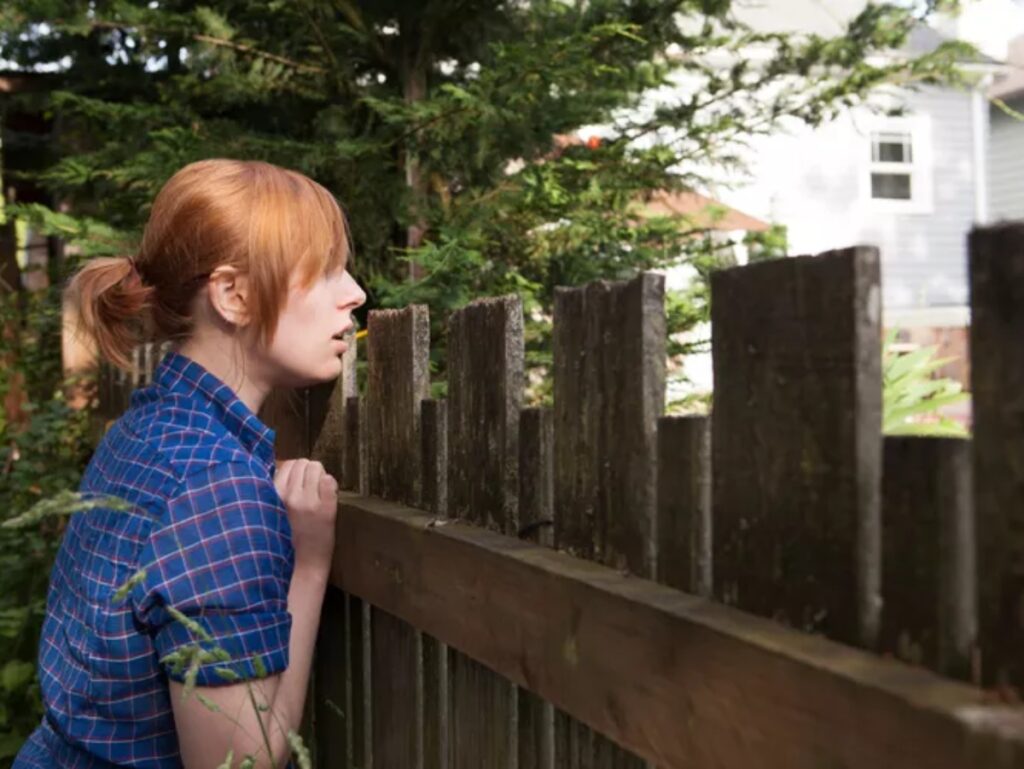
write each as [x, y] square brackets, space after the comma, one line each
[440, 124]
[443, 127]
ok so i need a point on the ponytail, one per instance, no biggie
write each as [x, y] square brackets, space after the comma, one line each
[111, 300]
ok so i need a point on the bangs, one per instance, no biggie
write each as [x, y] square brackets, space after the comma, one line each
[322, 242]
[296, 228]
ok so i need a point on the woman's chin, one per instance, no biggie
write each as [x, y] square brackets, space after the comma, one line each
[332, 370]
[327, 372]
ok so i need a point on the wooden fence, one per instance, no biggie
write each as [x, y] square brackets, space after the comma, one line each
[599, 585]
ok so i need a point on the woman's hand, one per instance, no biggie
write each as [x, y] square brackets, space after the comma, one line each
[310, 495]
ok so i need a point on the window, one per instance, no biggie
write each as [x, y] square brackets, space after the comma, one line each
[892, 168]
[897, 164]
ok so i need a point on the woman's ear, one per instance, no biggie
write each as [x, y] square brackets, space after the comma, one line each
[228, 291]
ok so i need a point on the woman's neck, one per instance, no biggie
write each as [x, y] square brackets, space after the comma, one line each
[223, 357]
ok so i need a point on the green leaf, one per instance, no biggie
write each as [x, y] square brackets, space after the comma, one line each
[259, 667]
[15, 674]
[299, 750]
[135, 579]
[913, 397]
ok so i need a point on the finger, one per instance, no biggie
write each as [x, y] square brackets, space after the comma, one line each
[311, 476]
[328, 486]
[295, 480]
[281, 474]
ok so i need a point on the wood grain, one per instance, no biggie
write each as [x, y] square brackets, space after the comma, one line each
[675, 678]
[997, 389]
[796, 436]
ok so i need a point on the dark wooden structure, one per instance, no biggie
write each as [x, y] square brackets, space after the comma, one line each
[598, 585]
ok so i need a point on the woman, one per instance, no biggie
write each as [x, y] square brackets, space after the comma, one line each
[243, 266]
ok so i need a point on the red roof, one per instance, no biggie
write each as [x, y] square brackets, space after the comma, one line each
[702, 211]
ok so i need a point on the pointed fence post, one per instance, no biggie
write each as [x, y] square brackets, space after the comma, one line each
[796, 436]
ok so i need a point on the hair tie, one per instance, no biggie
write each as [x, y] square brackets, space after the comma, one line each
[134, 265]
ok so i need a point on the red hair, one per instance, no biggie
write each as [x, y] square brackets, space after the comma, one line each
[266, 221]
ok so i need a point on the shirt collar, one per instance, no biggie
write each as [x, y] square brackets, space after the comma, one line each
[180, 374]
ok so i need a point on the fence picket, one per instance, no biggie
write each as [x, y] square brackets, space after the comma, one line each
[796, 436]
[536, 523]
[684, 503]
[332, 713]
[397, 383]
[928, 569]
[434, 498]
[326, 410]
[997, 383]
[485, 390]
[609, 370]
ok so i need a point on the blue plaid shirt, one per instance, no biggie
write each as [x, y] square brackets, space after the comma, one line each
[210, 531]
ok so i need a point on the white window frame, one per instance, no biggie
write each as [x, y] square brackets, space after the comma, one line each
[922, 197]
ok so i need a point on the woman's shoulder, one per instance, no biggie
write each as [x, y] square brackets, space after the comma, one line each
[174, 437]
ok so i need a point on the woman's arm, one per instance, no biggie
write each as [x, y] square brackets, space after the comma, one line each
[311, 498]
[205, 737]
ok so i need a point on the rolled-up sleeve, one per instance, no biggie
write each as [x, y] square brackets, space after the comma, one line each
[223, 558]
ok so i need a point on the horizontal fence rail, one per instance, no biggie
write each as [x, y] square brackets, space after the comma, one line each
[596, 584]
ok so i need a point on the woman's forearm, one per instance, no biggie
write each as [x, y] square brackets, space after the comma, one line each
[305, 602]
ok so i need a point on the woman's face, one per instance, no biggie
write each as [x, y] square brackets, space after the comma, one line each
[306, 349]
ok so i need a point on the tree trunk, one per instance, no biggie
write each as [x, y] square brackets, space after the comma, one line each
[414, 89]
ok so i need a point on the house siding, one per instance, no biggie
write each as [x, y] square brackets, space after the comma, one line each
[924, 261]
[1006, 163]
[812, 181]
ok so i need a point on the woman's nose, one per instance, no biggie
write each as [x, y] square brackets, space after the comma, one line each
[362, 297]
[352, 293]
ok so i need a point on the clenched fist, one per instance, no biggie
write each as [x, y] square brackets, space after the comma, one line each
[310, 495]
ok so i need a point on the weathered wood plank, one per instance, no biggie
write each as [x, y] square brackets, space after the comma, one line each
[436, 704]
[536, 732]
[609, 382]
[485, 391]
[353, 454]
[609, 388]
[367, 699]
[536, 476]
[536, 523]
[928, 570]
[997, 385]
[398, 381]
[684, 503]
[332, 715]
[434, 452]
[676, 678]
[574, 743]
[397, 675]
[484, 723]
[326, 412]
[122, 390]
[341, 687]
[434, 497]
[342, 694]
[796, 435]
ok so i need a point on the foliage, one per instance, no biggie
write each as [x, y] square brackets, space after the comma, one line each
[913, 396]
[42, 455]
[444, 126]
[446, 129]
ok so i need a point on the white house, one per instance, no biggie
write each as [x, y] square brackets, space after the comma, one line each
[913, 185]
[1006, 139]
